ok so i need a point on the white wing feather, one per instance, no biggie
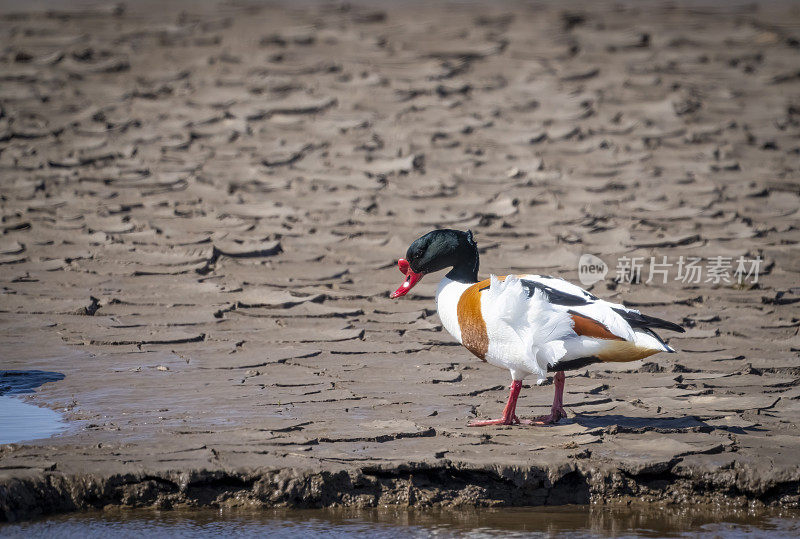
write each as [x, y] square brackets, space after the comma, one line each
[541, 326]
[595, 308]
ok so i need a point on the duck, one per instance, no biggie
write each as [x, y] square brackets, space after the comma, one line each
[529, 324]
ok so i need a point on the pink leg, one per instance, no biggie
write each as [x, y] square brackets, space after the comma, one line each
[557, 411]
[509, 415]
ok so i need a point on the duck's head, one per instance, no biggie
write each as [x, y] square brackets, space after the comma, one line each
[438, 250]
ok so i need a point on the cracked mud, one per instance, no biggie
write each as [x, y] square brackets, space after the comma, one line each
[202, 206]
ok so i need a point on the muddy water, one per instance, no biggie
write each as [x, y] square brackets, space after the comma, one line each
[512, 522]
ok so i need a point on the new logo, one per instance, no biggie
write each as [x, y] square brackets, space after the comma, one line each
[591, 269]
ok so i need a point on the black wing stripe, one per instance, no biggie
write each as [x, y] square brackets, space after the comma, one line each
[659, 339]
[572, 364]
[637, 320]
[556, 297]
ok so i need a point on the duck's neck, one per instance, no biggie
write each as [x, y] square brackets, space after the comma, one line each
[447, 296]
[466, 270]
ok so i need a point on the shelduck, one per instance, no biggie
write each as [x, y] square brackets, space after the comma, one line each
[528, 324]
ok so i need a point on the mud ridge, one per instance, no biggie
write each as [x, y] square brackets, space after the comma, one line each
[410, 485]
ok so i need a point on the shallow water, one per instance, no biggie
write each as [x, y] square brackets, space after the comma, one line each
[21, 421]
[510, 522]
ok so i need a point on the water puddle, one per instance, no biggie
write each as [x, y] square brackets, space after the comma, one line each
[388, 523]
[22, 421]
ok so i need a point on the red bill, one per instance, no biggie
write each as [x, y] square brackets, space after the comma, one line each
[412, 278]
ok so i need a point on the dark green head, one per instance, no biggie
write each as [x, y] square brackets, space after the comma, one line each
[438, 250]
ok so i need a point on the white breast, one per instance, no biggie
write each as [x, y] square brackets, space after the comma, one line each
[506, 348]
[447, 295]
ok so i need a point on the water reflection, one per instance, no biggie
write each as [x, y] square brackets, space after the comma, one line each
[22, 382]
[510, 522]
[20, 420]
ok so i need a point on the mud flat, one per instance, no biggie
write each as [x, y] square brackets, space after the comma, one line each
[202, 206]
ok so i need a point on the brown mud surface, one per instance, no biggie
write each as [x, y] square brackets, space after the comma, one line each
[202, 206]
